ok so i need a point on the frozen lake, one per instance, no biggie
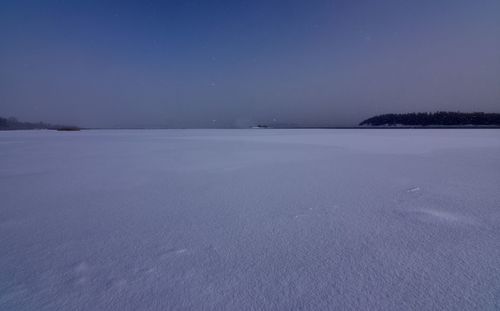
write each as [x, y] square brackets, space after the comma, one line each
[250, 219]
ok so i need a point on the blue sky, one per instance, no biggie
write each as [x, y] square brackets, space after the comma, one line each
[188, 63]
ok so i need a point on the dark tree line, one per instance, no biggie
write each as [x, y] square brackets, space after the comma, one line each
[14, 124]
[440, 118]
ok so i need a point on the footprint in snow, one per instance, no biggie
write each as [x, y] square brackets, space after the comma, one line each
[117, 284]
[81, 268]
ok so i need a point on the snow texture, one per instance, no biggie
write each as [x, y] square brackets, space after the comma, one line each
[250, 220]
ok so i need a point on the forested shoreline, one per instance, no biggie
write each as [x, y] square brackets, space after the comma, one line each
[441, 118]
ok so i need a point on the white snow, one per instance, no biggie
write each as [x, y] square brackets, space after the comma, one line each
[250, 220]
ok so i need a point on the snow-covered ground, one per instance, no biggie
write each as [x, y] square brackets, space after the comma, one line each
[250, 220]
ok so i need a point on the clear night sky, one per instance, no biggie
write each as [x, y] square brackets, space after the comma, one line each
[187, 63]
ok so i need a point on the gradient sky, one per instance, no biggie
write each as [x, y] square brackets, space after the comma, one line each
[237, 63]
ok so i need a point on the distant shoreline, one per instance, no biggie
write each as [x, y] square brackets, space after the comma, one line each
[434, 119]
[290, 128]
[397, 127]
